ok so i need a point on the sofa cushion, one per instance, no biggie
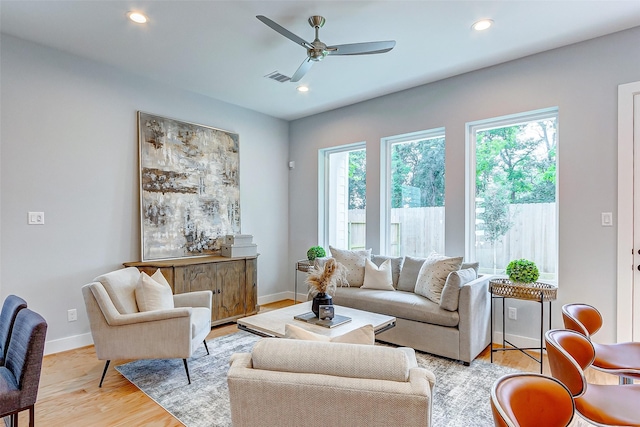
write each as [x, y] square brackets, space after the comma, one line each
[409, 273]
[353, 261]
[433, 275]
[362, 335]
[151, 295]
[396, 266]
[400, 304]
[378, 277]
[121, 287]
[451, 290]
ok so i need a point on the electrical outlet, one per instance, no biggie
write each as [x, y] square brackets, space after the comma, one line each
[36, 218]
[72, 315]
[513, 313]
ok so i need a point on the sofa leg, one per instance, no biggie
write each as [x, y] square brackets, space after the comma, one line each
[186, 368]
[205, 346]
[106, 366]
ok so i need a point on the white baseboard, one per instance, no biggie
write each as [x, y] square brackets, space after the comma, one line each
[517, 340]
[68, 343]
[266, 299]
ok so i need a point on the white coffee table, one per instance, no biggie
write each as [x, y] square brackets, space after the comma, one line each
[272, 323]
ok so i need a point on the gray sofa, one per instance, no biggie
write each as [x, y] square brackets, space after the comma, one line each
[459, 334]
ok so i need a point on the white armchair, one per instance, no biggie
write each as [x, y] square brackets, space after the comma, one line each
[121, 331]
[288, 382]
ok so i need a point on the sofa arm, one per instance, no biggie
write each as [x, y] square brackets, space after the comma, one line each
[193, 299]
[474, 309]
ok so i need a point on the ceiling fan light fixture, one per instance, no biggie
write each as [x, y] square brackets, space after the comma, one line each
[137, 17]
[302, 89]
[482, 25]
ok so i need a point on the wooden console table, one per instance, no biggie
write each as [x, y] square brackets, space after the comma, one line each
[233, 281]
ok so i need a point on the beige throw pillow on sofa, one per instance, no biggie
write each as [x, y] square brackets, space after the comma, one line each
[151, 295]
[433, 275]
[362, 335]
[353, 261]
[378, 277]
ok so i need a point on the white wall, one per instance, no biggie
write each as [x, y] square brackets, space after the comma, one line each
[69, 148]
[581, 80]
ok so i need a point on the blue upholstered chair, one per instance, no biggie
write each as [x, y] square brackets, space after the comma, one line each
[20, 375]
[10, 308]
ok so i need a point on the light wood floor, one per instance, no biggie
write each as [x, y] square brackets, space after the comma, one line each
[69, 393]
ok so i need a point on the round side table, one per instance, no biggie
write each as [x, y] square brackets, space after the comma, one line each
[536, 292]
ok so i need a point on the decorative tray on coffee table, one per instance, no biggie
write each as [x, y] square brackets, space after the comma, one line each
[309, 317]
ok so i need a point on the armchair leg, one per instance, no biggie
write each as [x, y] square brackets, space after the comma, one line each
[32, 416]
[205, 346]
[186, 368]
[106, 366]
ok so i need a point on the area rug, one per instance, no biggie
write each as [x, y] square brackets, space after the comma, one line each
[461, 395]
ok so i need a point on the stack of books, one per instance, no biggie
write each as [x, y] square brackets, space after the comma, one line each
[239, 245]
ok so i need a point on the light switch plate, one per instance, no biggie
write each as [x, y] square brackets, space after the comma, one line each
[607, 219]
[36, 218]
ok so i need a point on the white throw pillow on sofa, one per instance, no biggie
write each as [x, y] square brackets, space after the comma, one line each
[433, 275]
[378, 277]
[353, 261]
[151, 295]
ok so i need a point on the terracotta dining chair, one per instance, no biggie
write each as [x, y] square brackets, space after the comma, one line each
[621, 359]
[570, 353]
[531, 400]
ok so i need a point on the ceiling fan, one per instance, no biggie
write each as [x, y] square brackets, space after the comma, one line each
[317, 50]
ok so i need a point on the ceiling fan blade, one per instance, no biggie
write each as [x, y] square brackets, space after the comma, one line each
[302, 70]
[361, 48]
[288, 34]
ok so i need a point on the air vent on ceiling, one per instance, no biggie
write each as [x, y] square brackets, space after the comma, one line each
[278, 77]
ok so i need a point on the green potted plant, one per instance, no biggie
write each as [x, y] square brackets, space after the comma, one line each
[315, 252]
[522, 271]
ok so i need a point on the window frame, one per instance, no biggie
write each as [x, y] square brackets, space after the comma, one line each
[324, 165]
[470, 166]
[385, 177]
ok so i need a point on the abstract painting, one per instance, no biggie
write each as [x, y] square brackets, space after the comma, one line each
[189, 187]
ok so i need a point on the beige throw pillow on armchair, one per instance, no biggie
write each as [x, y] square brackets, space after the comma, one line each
[433, 275]
[152, 295]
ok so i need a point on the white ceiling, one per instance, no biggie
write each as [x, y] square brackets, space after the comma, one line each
[220, 49]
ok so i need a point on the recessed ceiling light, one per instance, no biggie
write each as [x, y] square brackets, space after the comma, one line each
[137, 17]
[302, 89]
[482, 24]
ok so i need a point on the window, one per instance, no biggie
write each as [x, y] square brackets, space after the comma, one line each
[512, 209]
[343, 196]
[413, 193]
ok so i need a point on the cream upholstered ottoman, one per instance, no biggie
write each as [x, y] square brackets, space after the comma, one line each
[289, 382]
